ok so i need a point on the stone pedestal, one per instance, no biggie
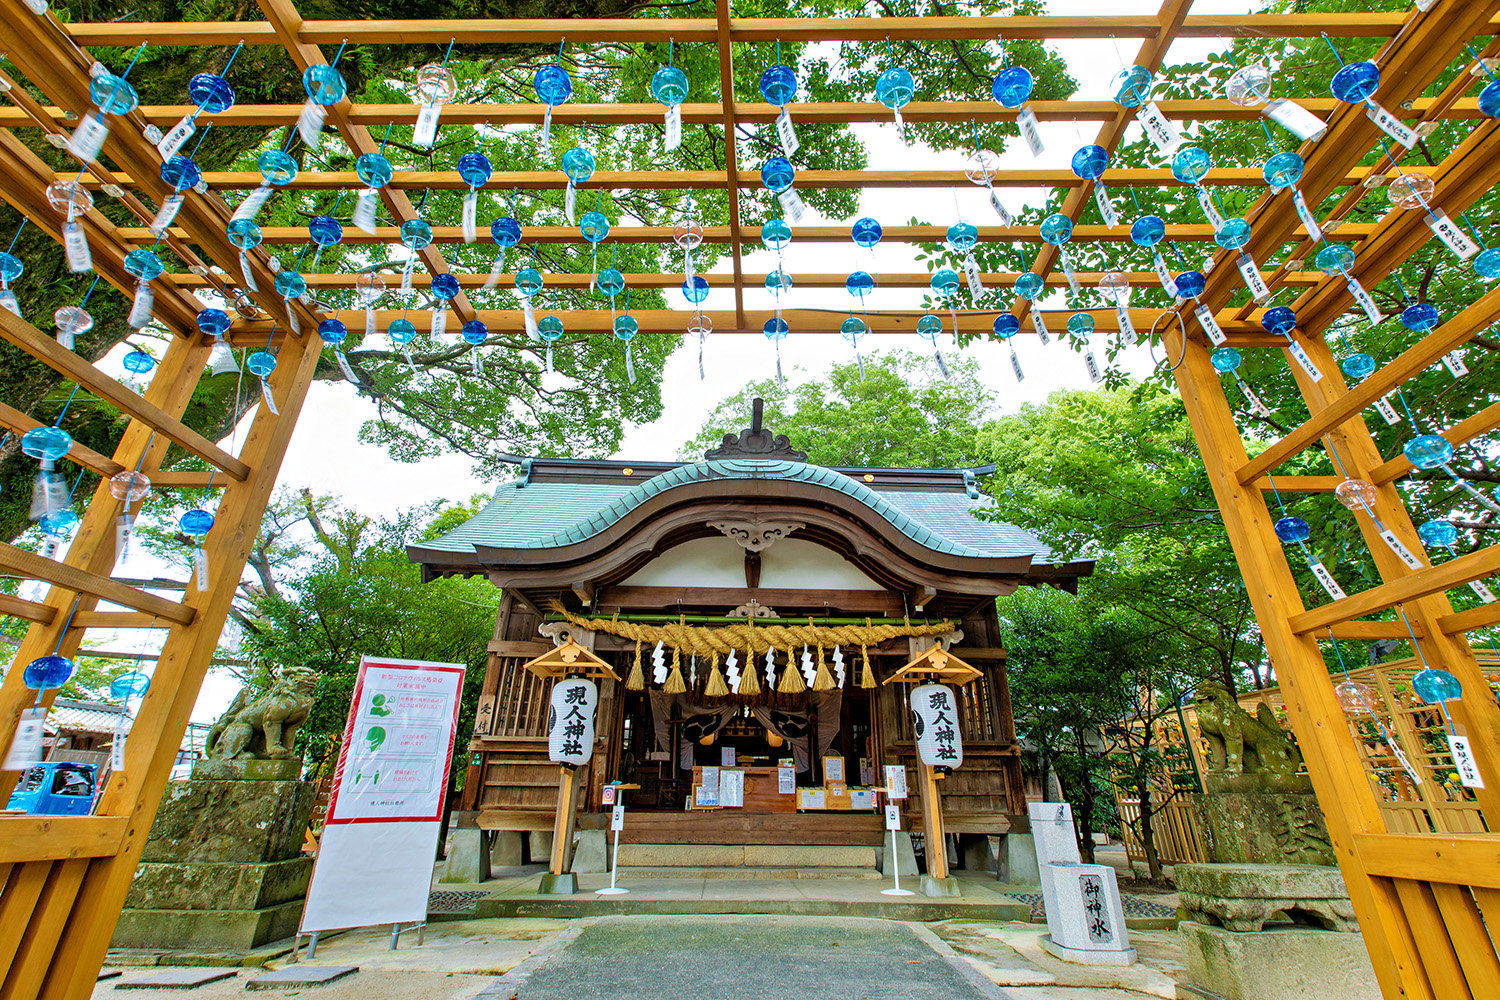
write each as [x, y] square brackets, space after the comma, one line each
[1018, 860]
[558, 885]
[905, 856]
[1260, 819]
[591, 856]
[1286, 963]
[507, 849]
[941, 887]
[468, 857]
[222, 869]
[1271, 932]
[974, 852]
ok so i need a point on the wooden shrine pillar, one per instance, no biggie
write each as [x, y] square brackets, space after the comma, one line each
[932, 823]
[568, 785]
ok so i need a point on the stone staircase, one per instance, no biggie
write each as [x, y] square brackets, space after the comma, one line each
[748, 861]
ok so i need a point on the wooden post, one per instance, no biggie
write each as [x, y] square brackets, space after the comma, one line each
[932, 824]
[562, 827]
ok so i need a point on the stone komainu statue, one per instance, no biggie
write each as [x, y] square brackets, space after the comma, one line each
[1241, 743]
[264, 725]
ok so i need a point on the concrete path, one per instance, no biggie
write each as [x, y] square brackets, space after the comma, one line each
[754, 958]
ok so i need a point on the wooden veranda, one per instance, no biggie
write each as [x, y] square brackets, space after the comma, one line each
[1428, 904]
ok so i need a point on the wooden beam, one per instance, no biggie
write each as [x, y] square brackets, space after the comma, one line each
[22, 334]
[1297, 484]
[56, 838]
[920, 280]
[1188, 232]
[667, 599]
[1462, 328]
[29, 610]
[802, 321]
[118, 619]
[731, 153]
[1461, 622]
[751, 113]
[1375, 630]
[1465, 430]
[700, 180]
[83, 455]
[477, 31]
[35, 567]
[1419, 583]
[1468, 860]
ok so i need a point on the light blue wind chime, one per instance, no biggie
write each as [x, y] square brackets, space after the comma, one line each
[894, 88]
[669, 85]
[554, 87]
[776, 235]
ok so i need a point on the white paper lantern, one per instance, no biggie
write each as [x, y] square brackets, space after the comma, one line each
[570, 724]
[934, 720]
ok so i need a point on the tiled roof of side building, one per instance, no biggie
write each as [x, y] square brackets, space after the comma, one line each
[550, 515]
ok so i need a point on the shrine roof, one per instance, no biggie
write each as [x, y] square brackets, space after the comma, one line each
[940, 510]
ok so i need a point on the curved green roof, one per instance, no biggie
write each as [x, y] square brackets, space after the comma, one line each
[745, 468]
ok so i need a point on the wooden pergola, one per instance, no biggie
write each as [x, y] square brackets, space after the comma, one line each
[1427, 904]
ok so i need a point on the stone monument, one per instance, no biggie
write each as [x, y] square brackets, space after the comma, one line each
[222, 869]
[1270, 932]
[1271, 918]
[1255, 807]
[1085, 917]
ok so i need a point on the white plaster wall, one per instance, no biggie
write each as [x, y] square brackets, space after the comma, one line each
[790, 564]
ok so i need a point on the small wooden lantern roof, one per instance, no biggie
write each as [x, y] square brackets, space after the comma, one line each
[570, 659]
[935, 664]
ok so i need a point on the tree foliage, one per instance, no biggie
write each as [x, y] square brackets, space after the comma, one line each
[1116, 476]
[899, 414]
[357, 594]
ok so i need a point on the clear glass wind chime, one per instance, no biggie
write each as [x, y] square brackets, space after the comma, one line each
[687, 234]
[436, 86]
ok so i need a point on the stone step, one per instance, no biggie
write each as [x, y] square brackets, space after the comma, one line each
[781, 856]
[747, 872]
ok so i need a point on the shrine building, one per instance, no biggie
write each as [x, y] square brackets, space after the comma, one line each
[754, 607]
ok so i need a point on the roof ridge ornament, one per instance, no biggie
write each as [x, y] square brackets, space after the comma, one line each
[756, 442]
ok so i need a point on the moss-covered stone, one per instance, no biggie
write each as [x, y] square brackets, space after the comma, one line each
[210, 886]
[1264, 827]
[206, 930]
[226, 819]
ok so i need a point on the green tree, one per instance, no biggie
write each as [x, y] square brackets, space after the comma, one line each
[357, 594]
[900, 414]
[1116, 476]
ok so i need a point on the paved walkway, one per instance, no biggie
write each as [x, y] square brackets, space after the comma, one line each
[755, 958]
[740, 957]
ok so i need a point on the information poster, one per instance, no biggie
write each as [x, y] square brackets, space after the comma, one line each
[731, 788]
[374, 861]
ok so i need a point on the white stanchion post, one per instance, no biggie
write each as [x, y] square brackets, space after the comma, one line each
[893, 824]
[616, 824]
